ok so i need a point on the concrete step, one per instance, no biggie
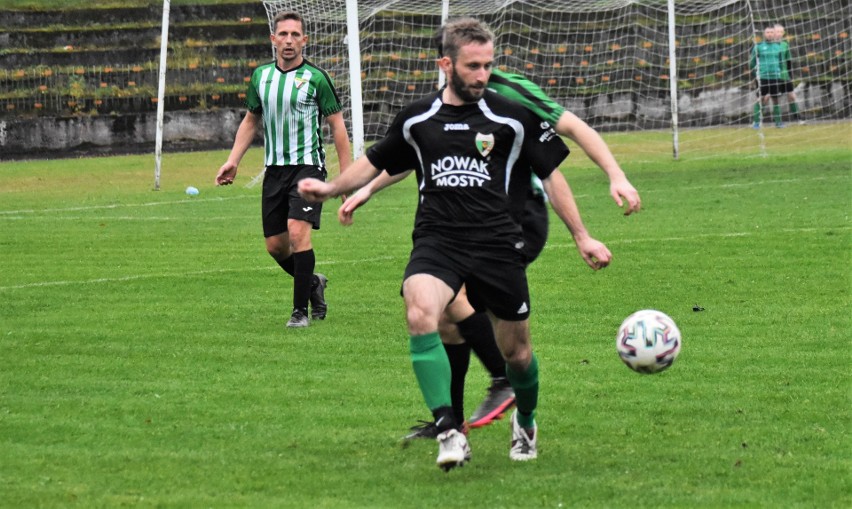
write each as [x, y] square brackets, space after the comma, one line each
[130, 15]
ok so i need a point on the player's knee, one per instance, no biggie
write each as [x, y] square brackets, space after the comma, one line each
[277, 247]
[420, 321]
[516, 354]
[300, 236]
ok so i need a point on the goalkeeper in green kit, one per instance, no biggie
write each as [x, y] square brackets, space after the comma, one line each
[767, 61]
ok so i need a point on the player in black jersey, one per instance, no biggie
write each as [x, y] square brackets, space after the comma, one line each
[464, 329]
[467, 145]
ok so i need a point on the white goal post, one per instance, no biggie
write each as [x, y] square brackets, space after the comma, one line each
[678, 66]
[161, 93]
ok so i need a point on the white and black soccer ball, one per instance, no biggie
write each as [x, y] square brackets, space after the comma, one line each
[648, 341]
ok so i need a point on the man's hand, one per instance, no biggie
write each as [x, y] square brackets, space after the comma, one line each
[315, 190]
[623, 189]
[351, 204]
[226, 174]
[594, 252]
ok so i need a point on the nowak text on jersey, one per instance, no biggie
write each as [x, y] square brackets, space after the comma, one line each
[460, 171]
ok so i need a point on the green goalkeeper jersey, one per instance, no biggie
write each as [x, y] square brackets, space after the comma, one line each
[293, 104]
[766, 58]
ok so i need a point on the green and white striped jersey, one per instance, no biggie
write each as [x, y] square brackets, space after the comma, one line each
[293, 105]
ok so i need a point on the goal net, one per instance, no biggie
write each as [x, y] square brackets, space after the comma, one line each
[607, 61]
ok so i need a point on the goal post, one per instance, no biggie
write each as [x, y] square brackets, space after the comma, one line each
[354, 44]
[673, 72]
[161, 93]
[676, 68]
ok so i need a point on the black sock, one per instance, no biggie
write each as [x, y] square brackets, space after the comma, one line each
[479, 334]
[304, 263]
[459, 356]
[286, 264]
[444, 418]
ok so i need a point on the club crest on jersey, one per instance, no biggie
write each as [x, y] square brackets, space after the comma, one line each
[299, 82]
[484, 143]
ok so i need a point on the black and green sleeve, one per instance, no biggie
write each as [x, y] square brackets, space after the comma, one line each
[519, 89]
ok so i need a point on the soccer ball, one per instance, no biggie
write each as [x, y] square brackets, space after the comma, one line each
[648, 341]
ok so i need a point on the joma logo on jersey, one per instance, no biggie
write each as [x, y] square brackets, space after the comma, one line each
[456, 127]
[455, 171]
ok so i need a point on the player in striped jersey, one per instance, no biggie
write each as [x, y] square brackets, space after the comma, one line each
[289, 98]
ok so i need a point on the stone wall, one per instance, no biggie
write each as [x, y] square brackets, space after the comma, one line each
[46, 137]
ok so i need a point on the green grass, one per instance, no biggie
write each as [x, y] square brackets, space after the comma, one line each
[144, 363]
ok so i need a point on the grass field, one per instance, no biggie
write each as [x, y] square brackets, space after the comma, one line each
[144, 363]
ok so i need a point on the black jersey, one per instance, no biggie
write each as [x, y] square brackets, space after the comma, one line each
[467, 158]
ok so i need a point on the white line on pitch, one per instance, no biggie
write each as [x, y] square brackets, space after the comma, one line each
[182, 274]
[194, 219]
[252, 196]
[184, 201]
[386, 258]
[709, 235]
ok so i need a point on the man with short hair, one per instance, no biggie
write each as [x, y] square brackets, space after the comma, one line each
[469, 148]
[464, 329]
[289, 98]
[786, 73]
[766, 61]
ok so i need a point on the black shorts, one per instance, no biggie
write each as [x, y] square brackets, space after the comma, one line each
[494, 273]
[281, 200]
[787, 87]
[771, 87]
[534, 227]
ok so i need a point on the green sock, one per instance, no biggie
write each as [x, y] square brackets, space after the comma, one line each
[794, 110]
[756, 113]
[525, 385]
[776, 113]
[432, 369]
